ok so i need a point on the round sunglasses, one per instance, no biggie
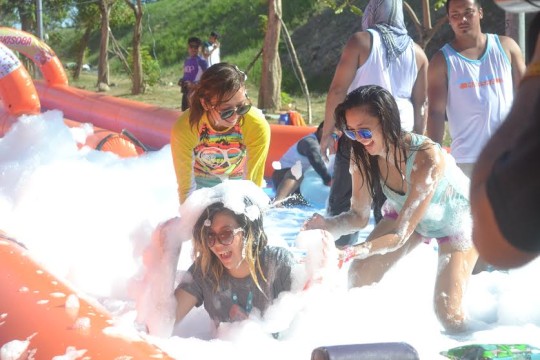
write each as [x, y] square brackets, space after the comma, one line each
[224, 237]
[363, 133]
[239, 110]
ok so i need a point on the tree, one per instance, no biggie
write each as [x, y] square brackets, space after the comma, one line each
[103, 64]
[270, 88]
[137, 68]
[24, 12]
[86, 19]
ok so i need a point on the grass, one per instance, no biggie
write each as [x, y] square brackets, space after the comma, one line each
[167, 94]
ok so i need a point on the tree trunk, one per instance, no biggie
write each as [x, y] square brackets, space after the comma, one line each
[270, 89]
[81, 50]
[137, 78]
[298, 68]
[103, 65]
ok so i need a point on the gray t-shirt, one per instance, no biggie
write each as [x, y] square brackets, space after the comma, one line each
[243, 294]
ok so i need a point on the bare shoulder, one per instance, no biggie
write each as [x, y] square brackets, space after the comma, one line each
[429, 155]
[421, 57]
[360, 39]
[509, 44]
[438, 60]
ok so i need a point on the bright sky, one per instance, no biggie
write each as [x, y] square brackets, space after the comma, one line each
[87, 215]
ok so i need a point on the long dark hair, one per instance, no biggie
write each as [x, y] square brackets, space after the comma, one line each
[221, 81]
[255, 239]
[379, 103]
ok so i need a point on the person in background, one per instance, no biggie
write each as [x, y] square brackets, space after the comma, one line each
[427, 197]
[307, 153]
[382, 54]
[194, 66]
[471, 84]
[505, 183]
[221, 136]
[211, 49]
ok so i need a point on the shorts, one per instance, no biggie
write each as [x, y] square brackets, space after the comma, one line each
[458, 242]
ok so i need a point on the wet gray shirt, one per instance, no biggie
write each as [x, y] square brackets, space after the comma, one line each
[242, 294]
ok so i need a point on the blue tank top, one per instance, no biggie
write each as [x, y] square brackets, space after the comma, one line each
[449, 210]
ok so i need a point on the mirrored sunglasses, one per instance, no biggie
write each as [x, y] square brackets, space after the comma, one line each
[239, 110]
[224, 237]
[363, 133]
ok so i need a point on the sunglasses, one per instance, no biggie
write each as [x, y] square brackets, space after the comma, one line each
[239, 110]
[363, 133]
[225, 237]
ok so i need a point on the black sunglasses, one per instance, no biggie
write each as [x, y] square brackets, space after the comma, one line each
[240, 110]
[225, 237]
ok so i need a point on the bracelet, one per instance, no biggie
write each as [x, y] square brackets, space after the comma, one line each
[349, 254]
[533, 70]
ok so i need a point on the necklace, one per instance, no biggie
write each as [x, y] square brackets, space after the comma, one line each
[249, 302]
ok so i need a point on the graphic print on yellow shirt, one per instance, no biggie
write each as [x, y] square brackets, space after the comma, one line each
[219, 156]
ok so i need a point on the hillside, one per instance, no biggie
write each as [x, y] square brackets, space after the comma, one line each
[319, 42]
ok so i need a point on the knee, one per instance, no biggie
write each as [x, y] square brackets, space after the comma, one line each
[449, 313]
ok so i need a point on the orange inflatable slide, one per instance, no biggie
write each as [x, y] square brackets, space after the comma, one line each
[41, 316]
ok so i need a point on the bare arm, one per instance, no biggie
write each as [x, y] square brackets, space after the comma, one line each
[437, 97]
[419, 91]
[516, 59]
[356, 218]
[427, 171]
[354, 55]
[185, 302]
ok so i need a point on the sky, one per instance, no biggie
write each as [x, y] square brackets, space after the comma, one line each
[88, 215]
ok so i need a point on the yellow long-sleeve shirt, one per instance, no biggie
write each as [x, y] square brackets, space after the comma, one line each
[204, 156]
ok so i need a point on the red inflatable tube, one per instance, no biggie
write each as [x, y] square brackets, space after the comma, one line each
[281, 139]
[40, 53]
[149, 123]
[17, 92]
[33, 309]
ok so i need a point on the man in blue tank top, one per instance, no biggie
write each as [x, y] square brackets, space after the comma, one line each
[471, 83]
[505, 185]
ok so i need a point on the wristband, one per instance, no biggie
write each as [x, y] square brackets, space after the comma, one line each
[350, 253]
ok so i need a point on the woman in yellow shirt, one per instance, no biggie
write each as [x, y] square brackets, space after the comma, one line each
[221, 136]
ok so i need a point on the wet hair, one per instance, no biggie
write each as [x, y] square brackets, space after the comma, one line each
[318, 132]
[478, 4]
[220, 81]
[254, 238]
[379, 103]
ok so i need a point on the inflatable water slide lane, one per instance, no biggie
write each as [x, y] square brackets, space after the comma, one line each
[42, 317]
